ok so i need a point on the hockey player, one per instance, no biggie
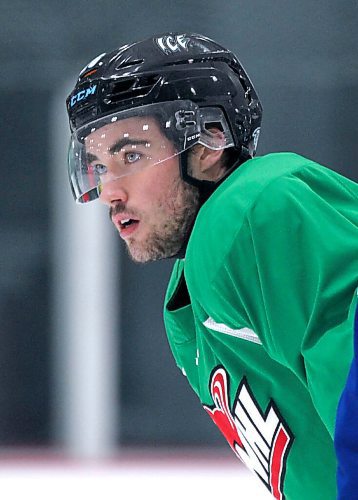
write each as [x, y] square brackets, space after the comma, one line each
[259, 308]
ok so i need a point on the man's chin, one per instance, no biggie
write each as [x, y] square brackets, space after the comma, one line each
[142, 255]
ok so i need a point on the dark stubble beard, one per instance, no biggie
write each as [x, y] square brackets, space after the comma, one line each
[180, 207]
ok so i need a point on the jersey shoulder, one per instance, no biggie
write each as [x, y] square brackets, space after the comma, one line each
[221, 217]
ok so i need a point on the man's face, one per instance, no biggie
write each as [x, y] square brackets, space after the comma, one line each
[150, 205]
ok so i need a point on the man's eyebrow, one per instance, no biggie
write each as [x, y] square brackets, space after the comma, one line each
[90, 157]
[118, 145]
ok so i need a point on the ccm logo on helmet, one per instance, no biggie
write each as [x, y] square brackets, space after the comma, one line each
[82, 94]
[170, 44]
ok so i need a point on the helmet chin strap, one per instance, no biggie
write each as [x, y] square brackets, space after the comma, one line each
[205, 188]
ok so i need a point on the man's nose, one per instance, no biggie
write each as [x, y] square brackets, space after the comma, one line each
[112, 192]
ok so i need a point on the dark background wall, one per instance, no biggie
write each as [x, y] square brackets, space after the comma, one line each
[302, 58]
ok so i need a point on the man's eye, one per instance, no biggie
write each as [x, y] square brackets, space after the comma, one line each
[132, 156]
[99, 169]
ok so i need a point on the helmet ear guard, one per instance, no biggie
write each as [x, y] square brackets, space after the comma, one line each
[214, 118]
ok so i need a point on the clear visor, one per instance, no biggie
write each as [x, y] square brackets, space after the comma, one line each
[129, 141]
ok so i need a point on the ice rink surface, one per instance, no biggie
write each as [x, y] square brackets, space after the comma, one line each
[136, 476]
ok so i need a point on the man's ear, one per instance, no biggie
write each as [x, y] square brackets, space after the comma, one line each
[207, 164]
[209, 159]
[211, 163]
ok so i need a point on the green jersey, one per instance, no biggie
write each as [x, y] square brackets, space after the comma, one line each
[259, 316]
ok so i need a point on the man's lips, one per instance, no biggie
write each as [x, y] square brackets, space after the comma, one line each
[125, 223]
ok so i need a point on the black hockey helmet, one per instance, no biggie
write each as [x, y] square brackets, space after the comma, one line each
[187, 80]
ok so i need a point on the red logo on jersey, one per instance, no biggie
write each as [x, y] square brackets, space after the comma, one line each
[261, 440]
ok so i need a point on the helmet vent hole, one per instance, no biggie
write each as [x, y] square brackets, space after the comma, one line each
[130, 88]
[128, 64]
